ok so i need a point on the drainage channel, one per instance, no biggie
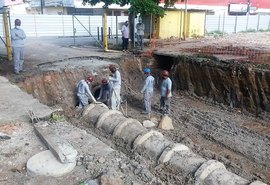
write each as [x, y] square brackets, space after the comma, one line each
[211, 133]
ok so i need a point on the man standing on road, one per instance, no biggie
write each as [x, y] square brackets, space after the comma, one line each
[148, 90]
[83, 91]
[115, 80]
[140, 33]
[17, 42]
[166, 93]
[105, 92]
[125, 36]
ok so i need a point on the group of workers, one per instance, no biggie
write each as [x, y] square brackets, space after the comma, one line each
[110, 91]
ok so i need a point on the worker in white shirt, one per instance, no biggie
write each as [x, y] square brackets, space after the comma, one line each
[115, 80]
[125, 36]
[148, 90]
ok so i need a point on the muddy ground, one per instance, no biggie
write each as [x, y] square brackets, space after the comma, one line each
[237, 138]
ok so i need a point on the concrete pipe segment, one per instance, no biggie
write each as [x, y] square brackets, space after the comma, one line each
[151, 144]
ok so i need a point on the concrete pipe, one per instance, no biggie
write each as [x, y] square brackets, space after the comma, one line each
[223, 176]
[104, 118]
[129, 131]
[153, 146]
[92, 112]
[187, 161]
[109, 120]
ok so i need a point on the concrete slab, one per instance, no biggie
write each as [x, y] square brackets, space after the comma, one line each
[59, 146]
[44, 163]
[18, 104]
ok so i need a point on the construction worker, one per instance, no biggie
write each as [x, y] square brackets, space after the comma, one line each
[140, 33]
[17, 42]
[105, 92]
[115, 80]
[166, 93]
[148, 90]
[83, 91]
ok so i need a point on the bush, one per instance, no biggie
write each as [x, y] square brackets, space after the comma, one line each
[57, 117]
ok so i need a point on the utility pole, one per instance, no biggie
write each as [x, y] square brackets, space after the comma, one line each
[105, 35]
[8, 40]
[42, 3]
[185, 21]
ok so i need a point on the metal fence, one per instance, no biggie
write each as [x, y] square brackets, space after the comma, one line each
[63, 25]
[234, 24]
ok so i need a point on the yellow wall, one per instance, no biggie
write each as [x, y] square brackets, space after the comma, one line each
[195, 24]
[171, 25]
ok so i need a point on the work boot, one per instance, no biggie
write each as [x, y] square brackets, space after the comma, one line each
[144, 112]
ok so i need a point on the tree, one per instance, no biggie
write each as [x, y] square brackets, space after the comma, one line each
[143, 7]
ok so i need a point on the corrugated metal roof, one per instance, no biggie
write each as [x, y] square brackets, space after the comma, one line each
[54, 3]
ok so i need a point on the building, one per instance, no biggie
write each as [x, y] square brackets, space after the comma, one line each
[221, 6]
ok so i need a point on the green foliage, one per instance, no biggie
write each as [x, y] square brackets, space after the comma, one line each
[144, 7]
[57, 117]
[216, 33]
[250, 30]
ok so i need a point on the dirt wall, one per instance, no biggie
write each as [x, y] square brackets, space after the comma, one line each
[240, 85]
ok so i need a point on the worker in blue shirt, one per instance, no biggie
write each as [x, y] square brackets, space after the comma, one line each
[166, 93]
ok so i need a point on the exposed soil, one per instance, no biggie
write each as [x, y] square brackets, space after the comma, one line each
[233, 135]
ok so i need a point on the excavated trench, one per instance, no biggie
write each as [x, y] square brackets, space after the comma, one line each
[220, 107]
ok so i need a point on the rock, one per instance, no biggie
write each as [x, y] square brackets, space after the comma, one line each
[4, 137]
[91, 182]
[109, 179]
[154, 120]
[101, 160]
[148, 124]
[166, 123]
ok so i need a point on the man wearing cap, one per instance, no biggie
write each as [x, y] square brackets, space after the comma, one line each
[83, 91]
[148, 90]
[17, 42]
[140, 33]
[115, 80]
[105, 92]
[166, 93]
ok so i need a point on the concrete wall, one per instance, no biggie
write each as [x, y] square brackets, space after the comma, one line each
[172, 24]
[196, 22]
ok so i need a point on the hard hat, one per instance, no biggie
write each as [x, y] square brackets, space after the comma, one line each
[111, 66]
[90, 78]
[147, 70]
[165, 73]
[104, 81]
